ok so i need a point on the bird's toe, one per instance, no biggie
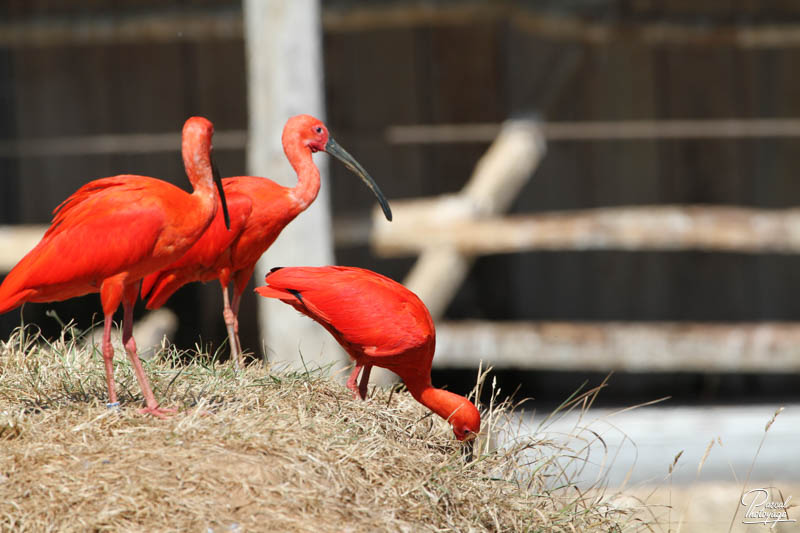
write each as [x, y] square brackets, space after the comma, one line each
[159, 412]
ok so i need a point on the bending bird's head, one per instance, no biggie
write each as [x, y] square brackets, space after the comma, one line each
[466, 421]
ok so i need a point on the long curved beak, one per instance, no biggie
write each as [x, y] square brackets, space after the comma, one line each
[333, 148]
[218, 181]
[467, 450]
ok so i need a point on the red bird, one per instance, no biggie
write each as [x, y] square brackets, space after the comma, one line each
[379, 323]
[260, 209]
[110, 234]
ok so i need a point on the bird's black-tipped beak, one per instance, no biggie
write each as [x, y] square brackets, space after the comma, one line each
[218, 181]
[467, 448]
[333, 148]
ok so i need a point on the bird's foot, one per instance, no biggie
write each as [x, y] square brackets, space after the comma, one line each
[113, 405]
[159, 412]
[357, 393]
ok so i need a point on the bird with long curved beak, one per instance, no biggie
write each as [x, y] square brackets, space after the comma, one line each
[379, 323]
[260, 209]
[110, 234]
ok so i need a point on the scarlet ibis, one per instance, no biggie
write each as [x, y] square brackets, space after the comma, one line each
[260, 209]
[111, 233]
[379, 323]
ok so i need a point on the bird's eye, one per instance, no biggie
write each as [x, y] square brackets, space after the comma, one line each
[318, 129]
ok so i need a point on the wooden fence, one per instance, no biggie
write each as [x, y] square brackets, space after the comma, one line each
[449, 231]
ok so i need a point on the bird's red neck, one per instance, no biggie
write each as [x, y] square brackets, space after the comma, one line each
[444, 403]
[196, 151]
[299, 155]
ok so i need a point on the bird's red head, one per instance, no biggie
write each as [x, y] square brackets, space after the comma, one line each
[197, 133]
[196, 149]
[466, 421]
[306, 130]
[460, 412]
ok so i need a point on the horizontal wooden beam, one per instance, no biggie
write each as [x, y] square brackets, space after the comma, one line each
[170, 25]
[769, 347]
[668, 227]
[563, 26]
[153, 26]
[568, 28]
[122, 143]
[757, 128]
[425, 134]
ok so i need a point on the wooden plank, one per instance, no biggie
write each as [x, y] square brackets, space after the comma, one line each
[123, 143]
[674, 227]
[661, 33]
[168, 25]
[767, 347]
[155, 26]
[604, 130]
[135, 143]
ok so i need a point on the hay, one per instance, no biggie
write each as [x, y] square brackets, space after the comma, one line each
[264, 450]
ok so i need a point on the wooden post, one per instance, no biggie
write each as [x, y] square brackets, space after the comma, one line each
[284, 59]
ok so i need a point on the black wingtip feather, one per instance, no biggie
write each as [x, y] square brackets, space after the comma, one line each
[297, 295]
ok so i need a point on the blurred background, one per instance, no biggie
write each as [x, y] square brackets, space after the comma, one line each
[641, 171]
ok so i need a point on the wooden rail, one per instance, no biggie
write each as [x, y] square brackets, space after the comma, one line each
[193, 24]
[122, 143]
[769, 347]
[419, 226]
[132, 143]
[603, 130]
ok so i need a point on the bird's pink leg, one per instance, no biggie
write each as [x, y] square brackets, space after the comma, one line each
[362, 389]
[128, 301]
[108, 360]
[351, 381]
[240, 281]
[359, 390]
[237, 299]
[110, 297]
[230, 324]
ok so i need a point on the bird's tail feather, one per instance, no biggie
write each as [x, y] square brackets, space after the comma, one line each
[13, 300]
[158, 289]
[271, 292]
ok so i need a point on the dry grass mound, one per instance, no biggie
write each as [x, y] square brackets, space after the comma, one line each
[263, 450]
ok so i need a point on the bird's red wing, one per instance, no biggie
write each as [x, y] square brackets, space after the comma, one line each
[93, 236]
[72, 210]
[365, 308]
[202, 260]
[273, 208]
